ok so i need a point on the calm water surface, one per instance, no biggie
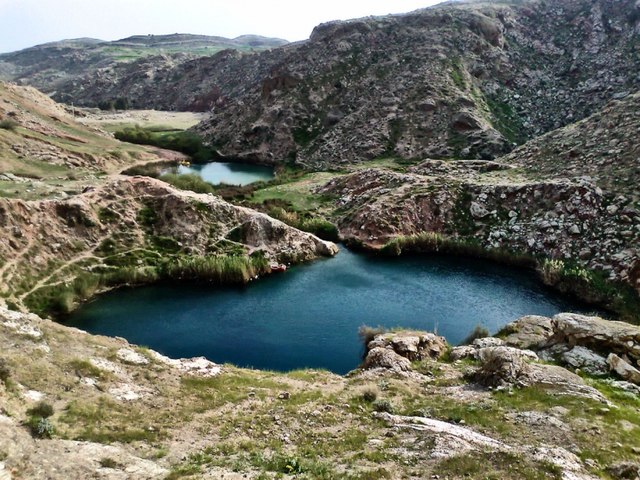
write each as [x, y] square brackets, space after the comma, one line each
[309, 316]
[229, 173]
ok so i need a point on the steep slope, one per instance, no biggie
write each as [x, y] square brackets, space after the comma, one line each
[604, 146]
[464, 80]
[125, 231]
[47, 66]
[45, 151]
[569, 197]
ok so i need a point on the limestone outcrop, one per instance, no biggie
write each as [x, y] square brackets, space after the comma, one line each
[592, 344]
[396, 350]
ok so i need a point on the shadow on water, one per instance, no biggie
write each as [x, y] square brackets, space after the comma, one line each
[310, 315]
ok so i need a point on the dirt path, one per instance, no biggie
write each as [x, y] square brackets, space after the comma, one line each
[12, 264]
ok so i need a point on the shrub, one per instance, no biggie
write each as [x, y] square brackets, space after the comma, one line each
[478, 332]
[40, 427]
[5, 371]
[108, 462]
[8, 124]
[318, 226]
[218, 269]
[42, 410]
[189, 181]
[369, 395]
[367, 333]
[38, 421]
[382, 405]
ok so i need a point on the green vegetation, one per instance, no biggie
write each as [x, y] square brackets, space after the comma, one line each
[478, 332]
[106, 421]
[5, 371]
[60, 299]
[591, 286]
[506, 120]
[38, 420]
[120, 103]
[219, 270]
[496, 466]
[8, 124]
[306, 222]
[457, 74]
[189, 181]
[180, 141]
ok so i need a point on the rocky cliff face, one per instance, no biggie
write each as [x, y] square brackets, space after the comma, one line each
[466, 80]
[129, 223]
[569, 195]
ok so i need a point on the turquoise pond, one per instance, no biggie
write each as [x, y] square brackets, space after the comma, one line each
[309, 316]
[229, 173]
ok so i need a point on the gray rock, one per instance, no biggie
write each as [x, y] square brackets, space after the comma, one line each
[386, 358]
[585, 359]
[624, 369]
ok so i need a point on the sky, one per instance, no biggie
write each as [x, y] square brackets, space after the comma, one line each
[24, 23]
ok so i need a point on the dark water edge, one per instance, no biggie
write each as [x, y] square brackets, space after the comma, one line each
[310, 315]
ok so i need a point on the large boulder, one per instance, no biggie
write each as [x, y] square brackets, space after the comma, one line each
[379, 357]
[575, 340]
[412, 345]
[623, 369]
[585, 359]
[504, 367]
[396, 350]
[598, 334]
[531, 332]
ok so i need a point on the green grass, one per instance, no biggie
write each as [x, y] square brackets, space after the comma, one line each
[182, 141]
[8, 124]
[313, 224]
[107, 421]
[190, 181]
[497, 466]
[218, 269]
[506, 120]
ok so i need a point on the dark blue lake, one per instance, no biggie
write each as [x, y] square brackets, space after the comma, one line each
[309, 316]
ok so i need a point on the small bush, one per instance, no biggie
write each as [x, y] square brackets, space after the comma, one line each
[478, 332]
[108, 462]
[41, 427]
[369, 395]
[382, 405]
[5, 371]
[8, 124]
[147, 216]
[367, 333]
[42, 410]
[189, 181]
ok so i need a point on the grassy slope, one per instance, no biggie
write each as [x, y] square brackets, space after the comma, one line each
[51, 150]
[325, 428]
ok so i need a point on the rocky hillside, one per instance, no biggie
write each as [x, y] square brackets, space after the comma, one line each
[49, 65]
[54, 253]
[46, 152]
[604, 147]
[464, 80]
[73, 405]
[569, 195]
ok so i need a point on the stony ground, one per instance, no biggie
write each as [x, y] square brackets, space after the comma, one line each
[122, 411]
